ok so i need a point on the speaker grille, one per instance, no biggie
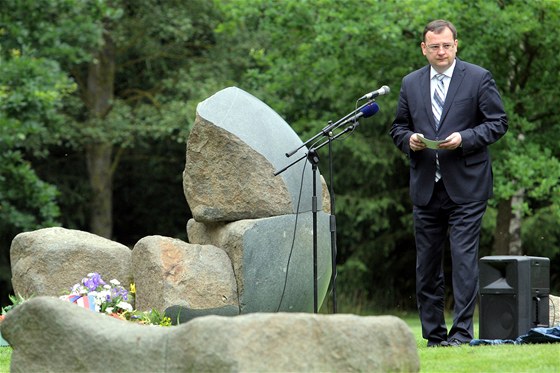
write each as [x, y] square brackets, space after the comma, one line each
[503, 323]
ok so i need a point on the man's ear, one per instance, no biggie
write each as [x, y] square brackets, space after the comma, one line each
[423, 46]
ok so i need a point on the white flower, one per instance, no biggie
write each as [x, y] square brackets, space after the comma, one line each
[124, 306]
[78, 289]
[109, 310]
[97, 298]
[115, 282]
[108, 287]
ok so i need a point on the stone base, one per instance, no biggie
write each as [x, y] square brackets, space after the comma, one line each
[259, 342]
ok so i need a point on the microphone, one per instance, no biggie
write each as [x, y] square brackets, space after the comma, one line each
[366, 111]
[380, 92]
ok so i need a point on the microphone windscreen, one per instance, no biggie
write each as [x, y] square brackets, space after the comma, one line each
[369, 110]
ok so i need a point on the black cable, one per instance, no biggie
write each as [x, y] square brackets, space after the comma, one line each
[317, 141]
[293, 237]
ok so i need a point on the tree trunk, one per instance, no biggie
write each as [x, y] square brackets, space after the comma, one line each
[515, 244]
[98, 97]
[98, 158]
[507, 236]
[502, 234]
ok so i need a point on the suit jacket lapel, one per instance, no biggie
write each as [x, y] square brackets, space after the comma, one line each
[456, 80]
[425, 91]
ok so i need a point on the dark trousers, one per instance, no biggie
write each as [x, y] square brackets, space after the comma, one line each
[432, 224]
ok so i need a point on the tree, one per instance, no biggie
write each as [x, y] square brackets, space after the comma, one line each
[31, 91]
[127, 59]
[527, 163]
[128, 88]
[33, 87]
[88, 81]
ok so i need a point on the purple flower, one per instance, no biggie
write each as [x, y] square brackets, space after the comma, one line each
[119, 291]
[92, 281]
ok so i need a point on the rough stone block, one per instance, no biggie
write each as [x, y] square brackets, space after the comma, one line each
[169, 272]
[234, 148]
[49, 261]
[49, 335]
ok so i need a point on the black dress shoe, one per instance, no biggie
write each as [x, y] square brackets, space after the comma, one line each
[454, 342]
[438, 344]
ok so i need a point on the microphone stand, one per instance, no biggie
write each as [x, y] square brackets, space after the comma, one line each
[314, 160]
[332, 226]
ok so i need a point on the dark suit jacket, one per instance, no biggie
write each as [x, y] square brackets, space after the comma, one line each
[473, 108]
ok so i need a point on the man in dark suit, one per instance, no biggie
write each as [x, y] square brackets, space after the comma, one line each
[457, 103]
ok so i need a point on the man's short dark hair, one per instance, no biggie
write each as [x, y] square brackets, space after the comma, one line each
[438, 26]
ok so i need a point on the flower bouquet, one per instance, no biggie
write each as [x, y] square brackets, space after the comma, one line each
[95, 294]
[111, 299]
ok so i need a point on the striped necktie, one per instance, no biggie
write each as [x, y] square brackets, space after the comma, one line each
[437, 108]
[438, 99]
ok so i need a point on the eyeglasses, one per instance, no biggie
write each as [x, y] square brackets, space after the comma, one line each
[435, 47]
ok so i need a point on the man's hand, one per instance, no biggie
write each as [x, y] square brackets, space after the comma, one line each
[452, 141]
[415, 143]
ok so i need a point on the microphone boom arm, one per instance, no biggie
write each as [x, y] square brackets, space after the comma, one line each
[351, 127]
[325, 131]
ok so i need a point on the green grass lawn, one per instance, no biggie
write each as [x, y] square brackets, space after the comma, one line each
[542, 358]
[5, 354]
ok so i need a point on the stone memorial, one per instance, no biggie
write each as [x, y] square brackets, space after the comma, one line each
[235, 147]
[251, 236]
[249, 255]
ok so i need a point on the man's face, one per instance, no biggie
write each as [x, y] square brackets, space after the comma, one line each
[440, 49]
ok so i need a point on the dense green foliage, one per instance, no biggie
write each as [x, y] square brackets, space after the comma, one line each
[309, 61]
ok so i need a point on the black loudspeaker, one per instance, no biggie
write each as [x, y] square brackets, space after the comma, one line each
[514, 294]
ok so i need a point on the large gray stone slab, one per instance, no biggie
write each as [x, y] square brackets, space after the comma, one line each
[49, 261]
[168, 271]
[234, 148]
[49, 335]
[273, 269]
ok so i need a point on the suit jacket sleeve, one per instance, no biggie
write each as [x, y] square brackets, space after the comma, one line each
[491, 117]
[402, 127]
